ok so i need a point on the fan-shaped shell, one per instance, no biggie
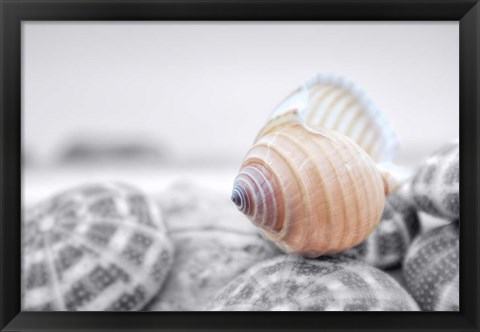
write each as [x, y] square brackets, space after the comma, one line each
[330, 101]
[388, 243]
[95, 247]
[310, 192]
[212, 243]
[431, 269]
[294, 283]
[435, 186]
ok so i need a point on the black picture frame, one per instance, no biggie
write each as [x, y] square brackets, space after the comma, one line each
[13, 12]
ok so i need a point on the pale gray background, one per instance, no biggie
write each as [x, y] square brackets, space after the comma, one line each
[202, 90]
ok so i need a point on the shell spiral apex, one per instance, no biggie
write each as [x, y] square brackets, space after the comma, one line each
[95, 247]
[311, 182]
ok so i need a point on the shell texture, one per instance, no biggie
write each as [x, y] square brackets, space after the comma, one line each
[329, 101]
[311, 182]
[435, 186]
[388, 243]
[97, 247]
[310, 193]
[295, 283]
[431, 269]
[213, 244]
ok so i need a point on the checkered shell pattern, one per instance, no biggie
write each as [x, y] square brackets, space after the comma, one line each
[388, 243]
[213, 245]
[431, 269]
[294, 283]
[98, 247]
[435, 186]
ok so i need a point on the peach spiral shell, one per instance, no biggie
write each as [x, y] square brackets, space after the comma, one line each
[315, 180]
[310, 192]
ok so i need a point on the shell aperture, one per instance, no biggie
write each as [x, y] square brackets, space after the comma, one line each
[310, 183]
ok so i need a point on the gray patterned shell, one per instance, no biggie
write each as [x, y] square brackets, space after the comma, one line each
[294, 283]
[95, 247]
[431, 269]
[435, 186]
[388, 243]
[213, 245]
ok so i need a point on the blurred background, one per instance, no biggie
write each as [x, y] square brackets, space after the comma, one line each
[149, 103]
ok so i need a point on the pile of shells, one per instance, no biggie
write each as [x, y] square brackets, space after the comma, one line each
[328, 213]
[431, 265]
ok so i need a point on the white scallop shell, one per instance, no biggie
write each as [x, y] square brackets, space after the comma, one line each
[435, 186]
[294, 283]
[95, 247]
[213, 244]
[431, 269]
[330, 101]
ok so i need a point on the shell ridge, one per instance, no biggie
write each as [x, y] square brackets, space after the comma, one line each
[247, 197]
[368, 197]
[301, 147]
[320, 92]
[298, 177]
[251, 160]
[370, 111]
[129, 224]
[322, 105]
[328, 197]
[282, 156]
[333, 111]
[262, 194]
[108, 256]
[270, 188]
[342, 192]
[56, 284]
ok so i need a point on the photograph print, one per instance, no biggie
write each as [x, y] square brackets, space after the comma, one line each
[240, 166]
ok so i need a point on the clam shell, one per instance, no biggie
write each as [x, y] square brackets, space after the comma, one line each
[435, 186]
[310, 192]
[388, 243]
[95, 247]
[431, 269]
[213, 244]
[294, 283]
